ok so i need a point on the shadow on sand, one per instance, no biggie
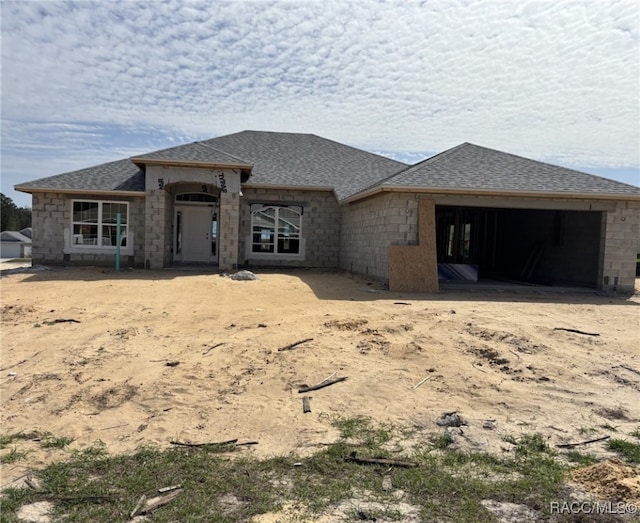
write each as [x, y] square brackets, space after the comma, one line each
[331, 284]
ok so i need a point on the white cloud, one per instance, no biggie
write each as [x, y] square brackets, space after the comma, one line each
[549, 80]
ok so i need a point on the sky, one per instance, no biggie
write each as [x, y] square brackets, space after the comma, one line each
[85, 82]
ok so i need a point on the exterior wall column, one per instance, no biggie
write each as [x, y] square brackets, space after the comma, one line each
[618, 248]
[155, 217]
[229, 223]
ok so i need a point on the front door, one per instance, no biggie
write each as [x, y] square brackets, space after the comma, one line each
[198, 231]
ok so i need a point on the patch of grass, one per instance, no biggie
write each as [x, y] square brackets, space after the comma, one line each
[55, 442]
[627, 449]
[635, 433]
[580, 459]
[441, 441]
[529, 444]
[223, 488]
[585, 431]
[360, 429]
[13, 456]
[609, 427]
[7, 439]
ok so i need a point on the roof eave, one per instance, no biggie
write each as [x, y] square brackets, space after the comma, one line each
[493, 192]
[289, 187]
[141, 160]
[77, 191]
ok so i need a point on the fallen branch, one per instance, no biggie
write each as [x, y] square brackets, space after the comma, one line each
[475, 366]
[211, 348]
[380, 461]
[29, 482]
[292, 345]
[321, 385]
[571, 445]
[221, 445]
[115, 426]
[306, 405]
[576, 331]
[138, 506]
[623, 366]
[329, 377]
[422, 381]
[214, 444]
[172, 363]
[157, 502]
[11, 366]
[515, 354]
[60, 320]
[168, 489]
[401, 303]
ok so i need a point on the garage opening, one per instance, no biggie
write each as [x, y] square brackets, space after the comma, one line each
[545, 247]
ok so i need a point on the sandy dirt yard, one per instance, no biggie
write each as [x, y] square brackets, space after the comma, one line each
[156, 356]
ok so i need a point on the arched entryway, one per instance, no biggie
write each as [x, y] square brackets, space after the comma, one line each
[196, 227]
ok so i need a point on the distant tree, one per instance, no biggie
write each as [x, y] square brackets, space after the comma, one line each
[12, 217]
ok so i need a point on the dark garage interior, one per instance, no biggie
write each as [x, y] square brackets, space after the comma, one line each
[544, 247]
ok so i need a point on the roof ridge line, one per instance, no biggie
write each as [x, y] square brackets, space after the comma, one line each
[351, 147]
[209, 146]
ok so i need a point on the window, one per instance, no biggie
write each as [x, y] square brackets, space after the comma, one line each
[276, 230]
[196, 197]
[94, 224]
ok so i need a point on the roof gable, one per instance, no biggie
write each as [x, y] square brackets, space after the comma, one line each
[474, 168]
[196, 153]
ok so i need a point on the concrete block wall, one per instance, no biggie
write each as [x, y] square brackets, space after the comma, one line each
[51, 217]
[157, 217]
[229, 229]
[619, 248]
[50, 213]
[368, 228]
[320, 226]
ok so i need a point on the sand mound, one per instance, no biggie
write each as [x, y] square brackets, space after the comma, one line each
[611, 480]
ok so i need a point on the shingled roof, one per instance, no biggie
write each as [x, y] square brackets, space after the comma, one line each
[306, 160]
[192, 153]
[121, 175]
[473, 168]
[276, 159]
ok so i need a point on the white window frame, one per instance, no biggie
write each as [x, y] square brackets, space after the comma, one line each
[81, 245]
[256, 208]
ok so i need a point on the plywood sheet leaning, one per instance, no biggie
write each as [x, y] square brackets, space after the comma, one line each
[414, 268]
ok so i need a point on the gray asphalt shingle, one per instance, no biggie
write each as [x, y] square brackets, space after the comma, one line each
[278, 159]
[477, 168]
[193, 152]
[307, 160]
[121, 175]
